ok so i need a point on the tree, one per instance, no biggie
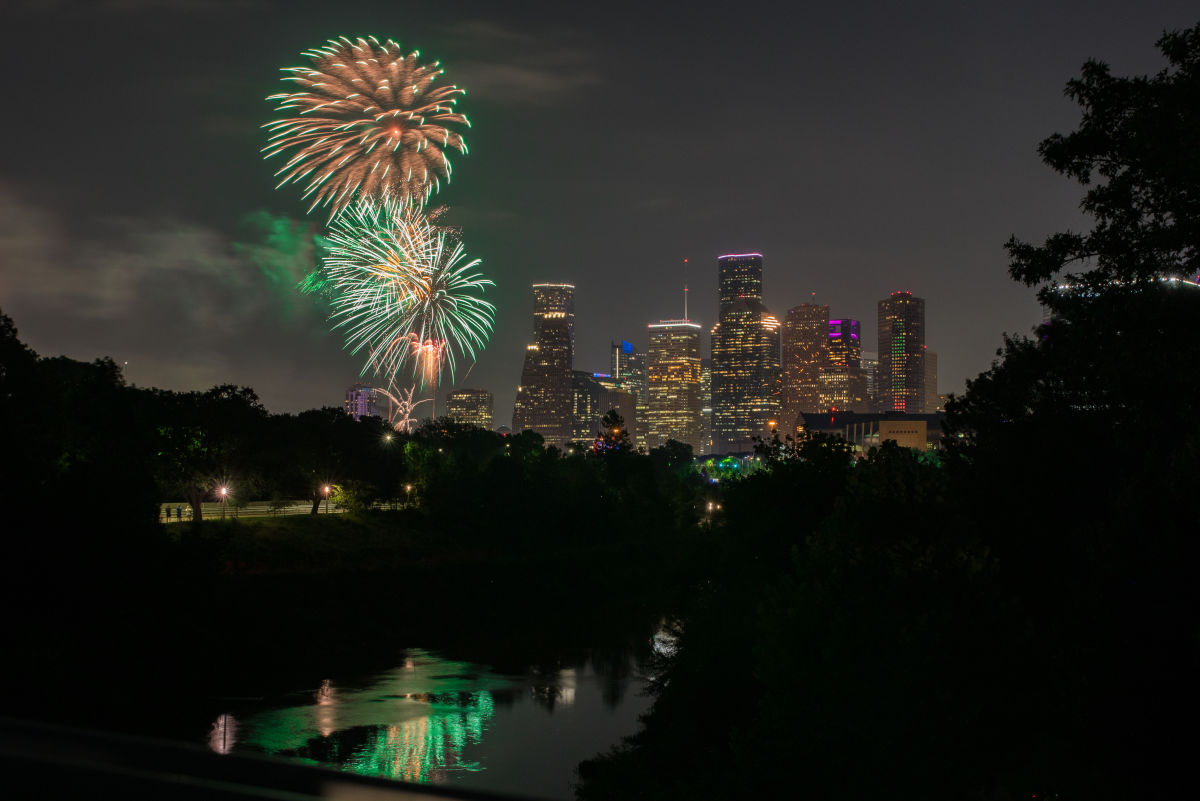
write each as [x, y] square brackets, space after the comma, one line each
[1136, 150]
[1082, 443]
[1112, 356]
[612, 435]
[206, 440]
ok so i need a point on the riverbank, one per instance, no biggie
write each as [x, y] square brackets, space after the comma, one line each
[181, 614]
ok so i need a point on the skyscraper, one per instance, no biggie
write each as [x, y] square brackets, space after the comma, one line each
[870, 365]
[902, 353]
[843, 381]
[544, 395]
[706, 412]
[932, 399]
[628, 366]
[745, 356]
[674, 367]
[360, 401]
[470, 407]
[556, 302]
[845, 347]
[595, 395]
[805, 351]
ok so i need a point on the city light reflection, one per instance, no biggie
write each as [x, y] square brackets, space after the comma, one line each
[223, 735]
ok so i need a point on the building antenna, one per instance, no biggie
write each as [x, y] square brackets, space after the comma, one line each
[685, 292]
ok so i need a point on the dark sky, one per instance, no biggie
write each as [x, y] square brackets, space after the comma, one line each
[863, 148]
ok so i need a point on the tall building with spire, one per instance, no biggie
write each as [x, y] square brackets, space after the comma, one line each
[673, 360]
[544, 397]
[745, 356]
[901, 376]
[805, 351]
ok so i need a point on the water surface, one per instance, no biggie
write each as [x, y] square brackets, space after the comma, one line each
[433, 719]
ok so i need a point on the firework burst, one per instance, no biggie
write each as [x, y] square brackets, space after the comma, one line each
[405, 291]
[366, 120]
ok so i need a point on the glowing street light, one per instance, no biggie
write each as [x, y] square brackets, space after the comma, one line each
[325, 489]
[408, 497]
[224, 493]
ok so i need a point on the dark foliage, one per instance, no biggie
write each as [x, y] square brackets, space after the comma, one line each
[1015, 618]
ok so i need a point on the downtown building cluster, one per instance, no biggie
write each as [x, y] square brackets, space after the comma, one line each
[762, 375]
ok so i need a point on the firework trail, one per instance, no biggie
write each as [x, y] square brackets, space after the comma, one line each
[365, 120]
[402, 406]
[405, 291]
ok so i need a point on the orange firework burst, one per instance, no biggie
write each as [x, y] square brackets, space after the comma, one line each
[367, 120]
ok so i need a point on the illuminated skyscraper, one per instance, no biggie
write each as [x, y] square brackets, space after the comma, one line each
[870, 365]
[595, 395]
[843, 381]
[745, 356]
[628, 366]
[470, 407]
[845, 347]
[805, 351]
[739, 277]
[360, 401]
[844, 389]
[544, 395]
[706, 412]
[556, 302]
[902, 353]
[673, 361]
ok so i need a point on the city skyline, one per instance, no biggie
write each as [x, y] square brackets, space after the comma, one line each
[173, 255]
[759, 377]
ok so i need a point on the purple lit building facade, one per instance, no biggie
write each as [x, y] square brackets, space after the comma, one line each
[360, 401]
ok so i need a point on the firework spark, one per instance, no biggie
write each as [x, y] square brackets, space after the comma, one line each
[402, 406]
[366, 120]
[405, 291]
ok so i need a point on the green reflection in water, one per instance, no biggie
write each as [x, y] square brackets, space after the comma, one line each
[411, 723]
[423, 749]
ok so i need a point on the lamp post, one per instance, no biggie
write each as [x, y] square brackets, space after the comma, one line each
[408, 497]
[325, 489]
[224, 497]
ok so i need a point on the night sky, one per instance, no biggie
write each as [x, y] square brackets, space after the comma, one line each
[862, 148]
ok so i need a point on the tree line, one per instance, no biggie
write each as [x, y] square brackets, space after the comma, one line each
[81, 438]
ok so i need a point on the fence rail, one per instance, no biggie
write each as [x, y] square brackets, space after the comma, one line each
[180, 511]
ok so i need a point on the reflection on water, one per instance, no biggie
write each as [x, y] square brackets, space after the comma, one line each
[425, 749]
[435, 720]
[223, 736]
[411, 723]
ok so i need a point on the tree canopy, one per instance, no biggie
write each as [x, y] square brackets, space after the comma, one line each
[1136, 150]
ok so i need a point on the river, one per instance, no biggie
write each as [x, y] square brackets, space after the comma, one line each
[435, 719]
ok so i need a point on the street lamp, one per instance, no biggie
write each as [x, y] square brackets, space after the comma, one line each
[408, 497]
[224, 491]
[325, 489]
